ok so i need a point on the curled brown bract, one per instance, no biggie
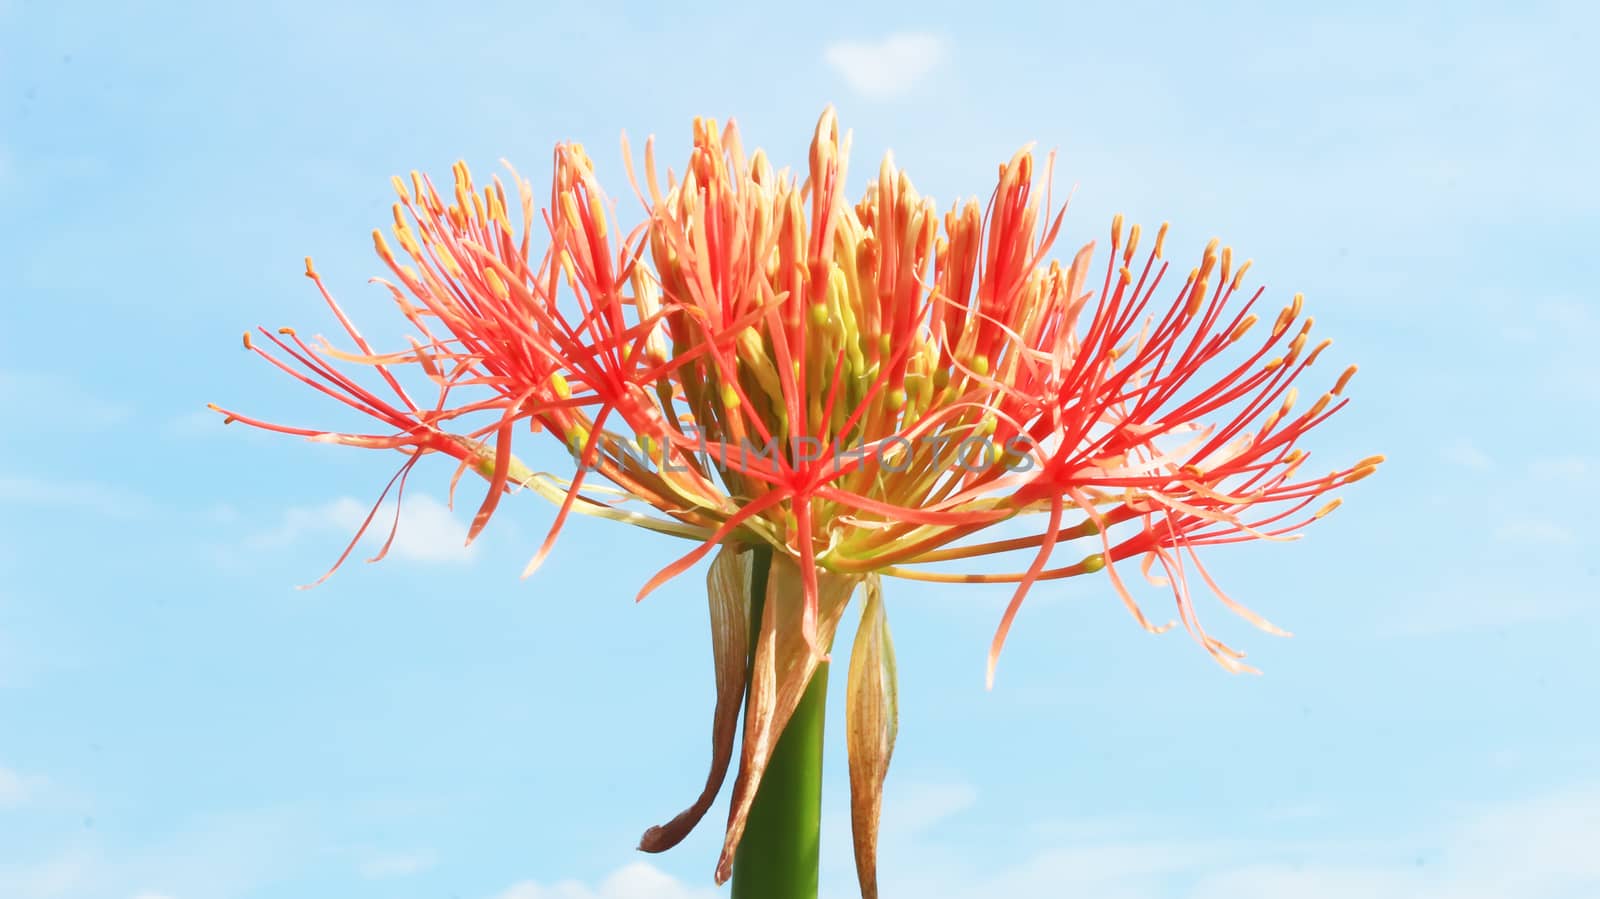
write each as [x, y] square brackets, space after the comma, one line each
[728, 587]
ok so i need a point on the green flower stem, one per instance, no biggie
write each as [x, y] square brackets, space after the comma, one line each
[778, 857]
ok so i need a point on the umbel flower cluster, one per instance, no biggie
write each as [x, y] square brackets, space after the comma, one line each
[837, 392]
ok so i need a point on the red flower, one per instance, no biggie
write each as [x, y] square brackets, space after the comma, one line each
[860, 389]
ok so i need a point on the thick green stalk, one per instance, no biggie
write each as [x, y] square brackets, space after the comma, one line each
[777, 858]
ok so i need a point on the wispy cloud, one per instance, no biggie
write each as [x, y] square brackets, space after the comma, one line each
[54, 403]
[17, 788]
[888, 68]
[635, 881]
[103, 499]
[1534, 530]
[924, 805]
[222, 856]
[1560, 468]
[1478, 605]
[197, 423]
[428, 531]
[1532, 849]
[396, 864]
[1463, 453]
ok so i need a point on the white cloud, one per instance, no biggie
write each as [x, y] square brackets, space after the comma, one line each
[1534, 530]
[886, 68]
[1531, 849]
[1478, 605]
[428, 530]
[1463, 453]
[16, 788]
[221, 857]
[638, 880]
[102, 499]
[1537, 849]
[198, 423]
[924, 805]
[1566, 317]
[1560, 468]
[53, 403]
[399, 864]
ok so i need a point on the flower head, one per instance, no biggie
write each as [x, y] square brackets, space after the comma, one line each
[862, 390]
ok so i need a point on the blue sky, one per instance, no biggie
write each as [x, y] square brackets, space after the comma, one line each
[177, 722]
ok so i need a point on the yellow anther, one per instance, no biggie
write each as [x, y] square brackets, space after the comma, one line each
[1238, 276]
[247, 344]
[407, 242]
[819, 314]
[1209, 260]
[399, 186]
[1116, 231]
[311, 270]
[598, 215]
[1326, 342]
[1244, 325]
[752, 346]
[569, 211]
[1124, 276]
[1093, 563]
[1285, 316]
[1197, 296]
[1161, 238]
[1344, 380]
[577, 438]
[980, 364]
[730, 397]
[382, 246]
[1323, 512]
[287, 332]
[450, 264]
[1359, 473]
[496, 286]
[558, 383]
[1133, 244]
